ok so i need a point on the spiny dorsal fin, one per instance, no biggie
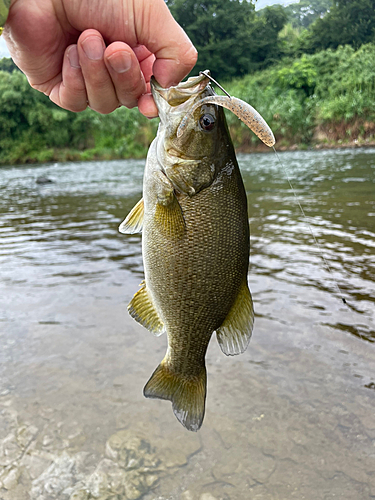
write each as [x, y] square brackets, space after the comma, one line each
[188, 394]
[235, 332]
[142, 310]
[134, 221]
[170, 219]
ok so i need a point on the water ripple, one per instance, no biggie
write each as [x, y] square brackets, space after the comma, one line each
[66, 231]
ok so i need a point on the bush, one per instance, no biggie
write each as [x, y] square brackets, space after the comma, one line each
[33, 129]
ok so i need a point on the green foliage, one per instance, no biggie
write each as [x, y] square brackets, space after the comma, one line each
[289, 40]
[349, 22]
[33, 129]
[330, 90]
[231, 39]
[301, 74]
[305, 12]
[6, 64]
[267, 48]
[288, 111]
[346, 85]
[297, 97]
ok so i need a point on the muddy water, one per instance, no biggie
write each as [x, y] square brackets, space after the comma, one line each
[293, 417]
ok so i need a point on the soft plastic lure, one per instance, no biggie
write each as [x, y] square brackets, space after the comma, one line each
[246, 113]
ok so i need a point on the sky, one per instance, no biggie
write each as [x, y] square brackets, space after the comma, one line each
[259, 5]
[3, 48]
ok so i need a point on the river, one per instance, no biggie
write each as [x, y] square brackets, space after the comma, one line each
[292, 417]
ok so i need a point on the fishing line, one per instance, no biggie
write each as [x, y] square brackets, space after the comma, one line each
[251, 117]
[207, 73]
[310, 228]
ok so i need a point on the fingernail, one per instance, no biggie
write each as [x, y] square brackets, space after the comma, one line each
[93, 47]
[73, 57]
[120, 61]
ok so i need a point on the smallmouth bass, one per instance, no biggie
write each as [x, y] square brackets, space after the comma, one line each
[195, 244]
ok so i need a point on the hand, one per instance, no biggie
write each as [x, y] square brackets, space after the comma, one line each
[100, 53]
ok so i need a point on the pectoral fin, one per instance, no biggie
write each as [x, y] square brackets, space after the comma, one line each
[168, 214]
[170, 219]
[235, 332]
[142, 310]
[134, 221]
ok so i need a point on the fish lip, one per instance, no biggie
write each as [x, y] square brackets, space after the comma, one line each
[179, 94]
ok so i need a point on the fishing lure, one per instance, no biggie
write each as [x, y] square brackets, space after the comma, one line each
[246, 113]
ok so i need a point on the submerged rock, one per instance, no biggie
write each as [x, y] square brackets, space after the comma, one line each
[130, 471]
[47, 461]
[42, 179]
[58, 480]
[42, 464]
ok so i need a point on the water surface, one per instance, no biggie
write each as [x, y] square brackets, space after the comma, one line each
[293, 417]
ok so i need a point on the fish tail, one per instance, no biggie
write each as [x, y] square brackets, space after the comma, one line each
[188, 394]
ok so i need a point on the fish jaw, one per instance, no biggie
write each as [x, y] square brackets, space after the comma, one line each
[178, 98]
[173, 103]
[187, 161]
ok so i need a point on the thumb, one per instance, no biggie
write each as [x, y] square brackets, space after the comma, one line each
[163, 36]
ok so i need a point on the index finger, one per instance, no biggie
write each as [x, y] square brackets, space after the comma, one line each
[163, 36]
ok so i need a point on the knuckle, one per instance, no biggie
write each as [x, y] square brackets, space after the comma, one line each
[72, 103]
[132, 89]
[41, 87]
[189, 56]
[76, 87]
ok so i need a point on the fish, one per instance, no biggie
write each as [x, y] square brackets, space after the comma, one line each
[195, 244]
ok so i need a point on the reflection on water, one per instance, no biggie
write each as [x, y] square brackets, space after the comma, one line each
[293, 417]
[336, 190]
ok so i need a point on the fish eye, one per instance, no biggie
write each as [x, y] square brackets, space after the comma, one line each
[207, 122]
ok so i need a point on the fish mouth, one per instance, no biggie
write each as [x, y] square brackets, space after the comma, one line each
[175, 96]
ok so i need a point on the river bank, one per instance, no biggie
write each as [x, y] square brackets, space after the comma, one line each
[261, 148]
[323, 139]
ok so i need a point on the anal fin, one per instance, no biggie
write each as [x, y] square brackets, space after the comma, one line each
[134, 221]
[188, 394]
[142, 310]
[235, 332]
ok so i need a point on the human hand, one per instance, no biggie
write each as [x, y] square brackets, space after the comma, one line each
[100, 53]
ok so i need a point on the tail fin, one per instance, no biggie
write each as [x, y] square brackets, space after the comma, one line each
[188, 394]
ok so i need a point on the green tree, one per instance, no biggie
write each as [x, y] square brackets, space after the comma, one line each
[32, 128]
[305, 12]
[267, 48]
[349, 22]
[7, 64]
[29, 121]
[231, 39]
